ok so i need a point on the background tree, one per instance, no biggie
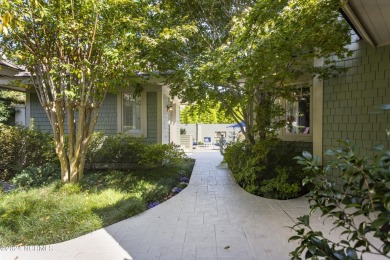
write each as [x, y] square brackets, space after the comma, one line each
[76, 51]
[249, 53]
[8, 99]
[206, 113]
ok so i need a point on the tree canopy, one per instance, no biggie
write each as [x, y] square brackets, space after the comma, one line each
[205, 113]
[250, 54]
[77, 51]
[244, 54]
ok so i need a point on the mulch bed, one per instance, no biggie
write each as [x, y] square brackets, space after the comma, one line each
[6, 187]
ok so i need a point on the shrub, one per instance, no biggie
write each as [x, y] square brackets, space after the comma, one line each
[283, 176]
[119, 148]
[22, 147]
[266, 168]
[36, 176]
[122, 148]
[359, 207]
[247, 162]
[281, 186]
[94, 146]
[158, 155]
[5, 111]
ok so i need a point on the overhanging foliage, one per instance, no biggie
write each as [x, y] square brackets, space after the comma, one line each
[76, 51]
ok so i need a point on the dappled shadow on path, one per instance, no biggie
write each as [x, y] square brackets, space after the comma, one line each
[212, 218]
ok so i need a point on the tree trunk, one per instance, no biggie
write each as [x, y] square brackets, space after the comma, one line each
[71, 170]
[76, 169]
[72, 156]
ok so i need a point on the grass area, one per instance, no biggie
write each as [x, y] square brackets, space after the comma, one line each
[59, 212]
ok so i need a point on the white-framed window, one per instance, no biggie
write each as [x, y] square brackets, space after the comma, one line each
[298, 115]
[131, 114]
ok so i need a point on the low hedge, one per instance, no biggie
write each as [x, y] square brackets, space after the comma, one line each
[267, 168]
[122, 151]
[21, 147]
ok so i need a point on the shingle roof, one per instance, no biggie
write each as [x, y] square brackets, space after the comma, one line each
[10, 65]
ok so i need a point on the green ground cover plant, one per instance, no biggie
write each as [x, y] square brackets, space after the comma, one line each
[55, 212]
[267, 168]
[43, 210]
[356, 201]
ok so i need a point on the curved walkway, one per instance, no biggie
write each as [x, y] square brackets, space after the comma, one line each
[213, 218]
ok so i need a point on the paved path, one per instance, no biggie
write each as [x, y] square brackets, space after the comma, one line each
[213, 218]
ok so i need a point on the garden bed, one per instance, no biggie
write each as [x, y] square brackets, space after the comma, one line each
[58, 212]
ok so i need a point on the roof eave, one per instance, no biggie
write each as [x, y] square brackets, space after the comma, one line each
[351, 18]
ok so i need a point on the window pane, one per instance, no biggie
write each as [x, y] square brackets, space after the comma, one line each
[131, 114]
[298, 112]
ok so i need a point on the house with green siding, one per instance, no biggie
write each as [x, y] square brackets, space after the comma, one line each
[346, 106]
[153, 115]
[350, 105]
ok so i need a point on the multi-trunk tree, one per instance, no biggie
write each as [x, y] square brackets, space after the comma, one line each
[76, 51]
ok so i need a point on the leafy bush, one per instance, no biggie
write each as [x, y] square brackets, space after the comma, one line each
[36, 176]
[22, 147]
[122, 148]
[8, 99]
[283, 176]
[94, 146]
[247, 163]
[360, 207]
[5, 111]
[158, 155]
[266, 168]
[119, 148]
[280, 187]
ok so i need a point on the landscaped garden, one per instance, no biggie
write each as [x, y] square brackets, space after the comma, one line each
[260, 60]
[42, 210]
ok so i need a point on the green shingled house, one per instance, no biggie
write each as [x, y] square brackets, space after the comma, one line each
[347, 106]
[350, 105]
[154, 115]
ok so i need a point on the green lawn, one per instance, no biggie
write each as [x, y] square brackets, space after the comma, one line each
[58, 212]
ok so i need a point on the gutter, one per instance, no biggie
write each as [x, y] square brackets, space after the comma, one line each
[355, 24]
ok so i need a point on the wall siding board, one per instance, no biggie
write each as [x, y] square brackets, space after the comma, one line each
[106, 121]
[108, 115]
[41, 122]
[351, 106]
[151, 98]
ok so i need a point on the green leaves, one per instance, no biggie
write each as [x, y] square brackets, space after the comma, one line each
[246, 54]
[80, 50]
[359, 207]
[206, 113]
